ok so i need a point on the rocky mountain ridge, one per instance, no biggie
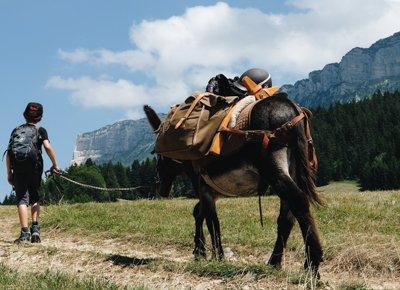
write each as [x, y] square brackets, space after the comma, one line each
[122, 142]
[360, 73]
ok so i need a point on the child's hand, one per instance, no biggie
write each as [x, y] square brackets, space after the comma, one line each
[10, 178]
[55, 169]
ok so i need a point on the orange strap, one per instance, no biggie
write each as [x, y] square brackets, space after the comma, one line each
[217, 140]
[294, 121]
[250, 85]
[267, 135]
[271, 91]
[257, 90]
[198, 97]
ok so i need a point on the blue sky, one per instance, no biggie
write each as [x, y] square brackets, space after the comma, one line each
[92, 63]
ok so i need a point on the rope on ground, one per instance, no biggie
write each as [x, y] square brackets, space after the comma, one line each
[62, 175]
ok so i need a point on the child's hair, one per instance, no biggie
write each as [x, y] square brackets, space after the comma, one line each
[33, 112]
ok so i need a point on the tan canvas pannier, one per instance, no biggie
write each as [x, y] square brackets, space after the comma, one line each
[189, 128]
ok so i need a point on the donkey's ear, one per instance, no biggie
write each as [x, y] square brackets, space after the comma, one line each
[152, 116]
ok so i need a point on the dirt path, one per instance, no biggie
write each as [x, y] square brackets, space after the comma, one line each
[126, 265]
[129, 264]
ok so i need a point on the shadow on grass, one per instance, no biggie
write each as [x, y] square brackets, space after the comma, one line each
[126, 261]
[224, 269]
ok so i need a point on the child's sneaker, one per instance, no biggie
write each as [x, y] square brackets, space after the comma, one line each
[24, 237]
[35, 234]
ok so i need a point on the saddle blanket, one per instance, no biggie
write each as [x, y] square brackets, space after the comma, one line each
[240, 106]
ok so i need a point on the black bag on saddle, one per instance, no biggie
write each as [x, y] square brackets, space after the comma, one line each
[223, 86]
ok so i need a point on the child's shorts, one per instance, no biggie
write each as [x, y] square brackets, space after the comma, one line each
[27, 185]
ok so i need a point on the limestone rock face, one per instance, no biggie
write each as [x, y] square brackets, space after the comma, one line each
[122, 142]
[360, 73]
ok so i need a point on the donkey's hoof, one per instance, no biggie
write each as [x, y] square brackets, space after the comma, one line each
[313, 268]
[275, 261]
[276, 265]
[199, 254]
[218, 256]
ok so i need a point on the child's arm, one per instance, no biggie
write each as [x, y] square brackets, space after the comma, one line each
[52, 155]
[10, 176]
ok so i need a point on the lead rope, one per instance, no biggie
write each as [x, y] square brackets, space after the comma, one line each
[62, 175]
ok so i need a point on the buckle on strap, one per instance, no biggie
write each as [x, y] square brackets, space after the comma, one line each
[254, 136]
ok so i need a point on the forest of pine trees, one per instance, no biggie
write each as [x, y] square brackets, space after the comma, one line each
[356, 140]
[361, 141]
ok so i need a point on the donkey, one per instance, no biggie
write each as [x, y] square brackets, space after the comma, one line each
[284, 166]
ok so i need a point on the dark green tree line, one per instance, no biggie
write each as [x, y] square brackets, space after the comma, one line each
[360, 140]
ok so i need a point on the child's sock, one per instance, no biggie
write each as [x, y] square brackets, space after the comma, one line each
[35, 223]
[25, 230]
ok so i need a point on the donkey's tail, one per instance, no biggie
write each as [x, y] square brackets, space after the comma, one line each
[152, 117]
[305, 175]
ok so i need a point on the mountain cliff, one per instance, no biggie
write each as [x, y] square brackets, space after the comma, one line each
[122, 142]
[361, 72]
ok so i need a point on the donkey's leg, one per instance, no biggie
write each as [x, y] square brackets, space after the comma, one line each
[298, 204]
[300, 207]
[199, 240]
[207, 203]
[285, 224]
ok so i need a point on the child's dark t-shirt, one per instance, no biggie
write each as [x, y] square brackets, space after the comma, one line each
[42, 136]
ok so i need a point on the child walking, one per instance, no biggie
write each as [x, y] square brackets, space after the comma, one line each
[25, 168]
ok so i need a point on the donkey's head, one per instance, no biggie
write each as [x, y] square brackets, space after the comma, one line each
[167, 168]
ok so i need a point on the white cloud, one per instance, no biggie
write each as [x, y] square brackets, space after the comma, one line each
[180, 53]
[134, 59]
[134, 114]
[77, 56]
[115, 94]
[100, 93]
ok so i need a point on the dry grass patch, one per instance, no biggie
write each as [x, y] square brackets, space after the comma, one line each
[12, 279]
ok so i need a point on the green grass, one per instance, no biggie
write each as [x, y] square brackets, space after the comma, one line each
[8, 211]
[170, 221]
[228, 269]
[48, 280]
[351, 285]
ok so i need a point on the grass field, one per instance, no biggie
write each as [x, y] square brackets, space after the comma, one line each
[148, 243]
